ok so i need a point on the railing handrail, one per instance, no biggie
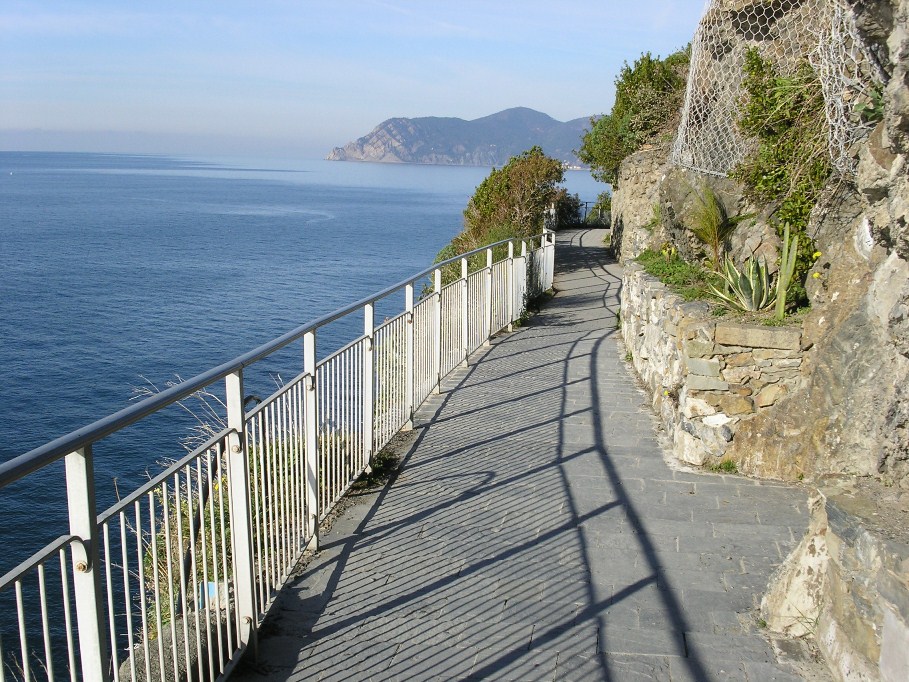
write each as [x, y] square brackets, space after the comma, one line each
[22, 465]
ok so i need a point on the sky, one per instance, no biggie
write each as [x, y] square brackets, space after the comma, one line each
[283, 78]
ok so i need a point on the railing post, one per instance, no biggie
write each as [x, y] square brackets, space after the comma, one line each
[437, 323]
[550, 260]
[369, 383]
[487, 298]
[311, 440]
[465, 313]
[509, 287]
[522, 289]
[238, 460]
[80, 498]
[410, 366]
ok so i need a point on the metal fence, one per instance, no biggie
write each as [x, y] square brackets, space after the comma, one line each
[172, 582]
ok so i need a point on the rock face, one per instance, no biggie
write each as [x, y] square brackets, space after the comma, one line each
[850, 412]
[487, 141]
[847, 584]
[841, 406]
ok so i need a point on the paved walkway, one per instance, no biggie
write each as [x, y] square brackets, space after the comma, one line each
[536, 533]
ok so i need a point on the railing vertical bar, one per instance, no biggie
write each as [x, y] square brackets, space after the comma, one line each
[213, 485]
[23, 632]
[141, 578]
[67, 619]
[181, 571]
[256, 456]
[153, 538]
[205, 600]
[45, 626]
[281, 456]
[171, 592]
[192, 602]
[274, 498]
[2, 658]
[112, 624]
[268, 492]
[312, 424]
[230, 604]
[127, 601]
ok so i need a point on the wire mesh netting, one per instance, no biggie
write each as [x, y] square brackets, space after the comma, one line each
[785, 32]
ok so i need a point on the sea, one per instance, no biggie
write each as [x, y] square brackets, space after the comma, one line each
[120, 273]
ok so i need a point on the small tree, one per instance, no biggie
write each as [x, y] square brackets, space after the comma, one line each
[511, 200]
[648, 97]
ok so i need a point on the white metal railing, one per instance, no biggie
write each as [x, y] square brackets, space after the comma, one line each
[173, 580]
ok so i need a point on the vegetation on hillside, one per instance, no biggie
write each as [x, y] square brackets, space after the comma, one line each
[648, 98]
[790, 164]
[511, 203]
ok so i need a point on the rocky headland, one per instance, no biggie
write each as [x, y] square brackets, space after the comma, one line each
[488, 141]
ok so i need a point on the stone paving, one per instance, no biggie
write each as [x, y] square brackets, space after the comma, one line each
[535, 531]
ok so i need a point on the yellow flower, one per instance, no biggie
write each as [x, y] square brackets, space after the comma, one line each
[816, 275]
[816, 255]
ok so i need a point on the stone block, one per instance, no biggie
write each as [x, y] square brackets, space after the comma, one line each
[762, 354]
[757, 336]
[697, 382]
[734, 404]
[689, 449]
[704, 367]
[738, 375]
[740, 359]
[697, 348]
[719, 419]
[769, 394]
[696, 407]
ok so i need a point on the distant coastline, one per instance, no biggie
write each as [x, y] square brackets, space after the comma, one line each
[485, 142]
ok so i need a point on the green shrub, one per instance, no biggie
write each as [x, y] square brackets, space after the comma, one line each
[688, 280]
[648, 96]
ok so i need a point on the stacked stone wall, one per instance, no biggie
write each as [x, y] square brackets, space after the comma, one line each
[705, 375]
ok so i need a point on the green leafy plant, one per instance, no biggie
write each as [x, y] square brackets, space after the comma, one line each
[871, 110]
[689, 280]
[787, 269]
[747, 289]
[712, 223]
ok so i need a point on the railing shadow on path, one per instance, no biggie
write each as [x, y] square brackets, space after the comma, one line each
[511, 543]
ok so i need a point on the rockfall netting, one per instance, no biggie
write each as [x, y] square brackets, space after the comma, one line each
[785, 32]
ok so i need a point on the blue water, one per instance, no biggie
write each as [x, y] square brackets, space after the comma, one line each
[117, 269]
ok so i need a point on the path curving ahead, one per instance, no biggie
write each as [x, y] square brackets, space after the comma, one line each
[535, 532]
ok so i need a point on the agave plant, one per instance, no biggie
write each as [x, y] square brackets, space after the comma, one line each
[748, 289]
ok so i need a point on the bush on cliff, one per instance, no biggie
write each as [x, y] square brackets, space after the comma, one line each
[511, 203]
[648, 98]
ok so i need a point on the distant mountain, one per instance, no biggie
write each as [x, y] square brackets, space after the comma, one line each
[487, 141]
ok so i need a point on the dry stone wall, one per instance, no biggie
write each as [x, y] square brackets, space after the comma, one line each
[706, 376]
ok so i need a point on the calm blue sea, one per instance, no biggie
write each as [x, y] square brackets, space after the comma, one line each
[116, 270]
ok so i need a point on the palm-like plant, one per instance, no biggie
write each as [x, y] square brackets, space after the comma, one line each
[712, 223]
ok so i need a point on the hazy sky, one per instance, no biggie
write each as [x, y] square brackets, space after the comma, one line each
[297, 77]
